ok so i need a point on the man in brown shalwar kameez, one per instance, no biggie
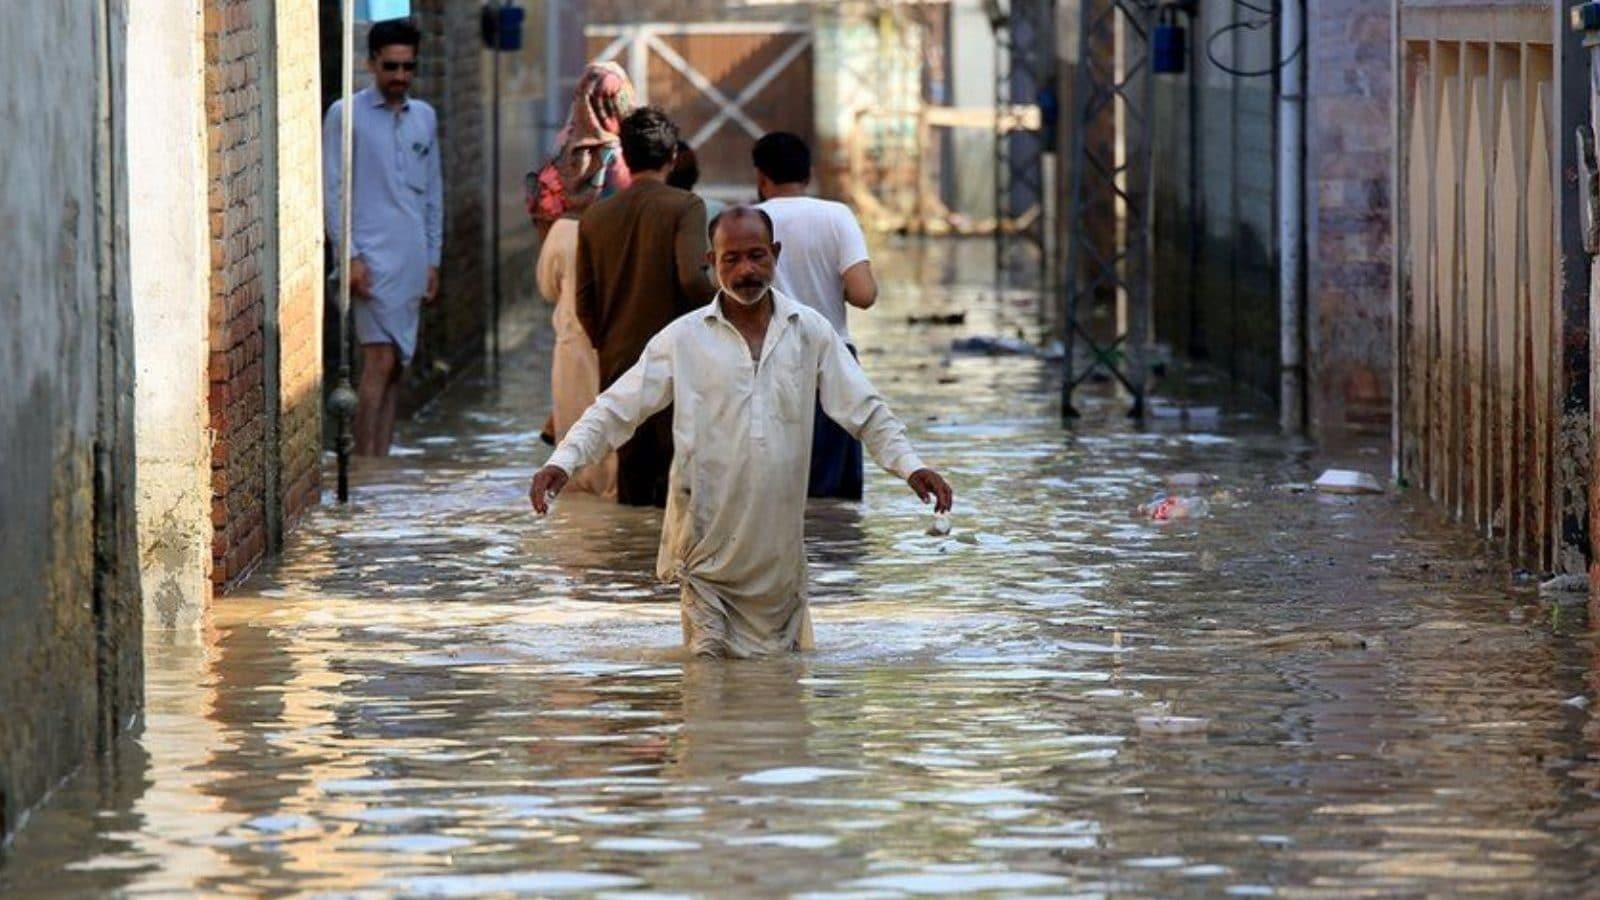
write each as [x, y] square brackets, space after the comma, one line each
[640, 265]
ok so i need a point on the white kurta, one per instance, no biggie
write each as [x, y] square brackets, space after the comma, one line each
[733, 533]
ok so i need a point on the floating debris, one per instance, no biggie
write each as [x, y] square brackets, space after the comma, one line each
[955, 318]
[1329, 640]
[1173, 725]
[1209, 415]
[1565, 584]
[1168, 509]
[1442, 625]
[993, 345]
[1055, 350]
[1348, 481]
[1189, 479]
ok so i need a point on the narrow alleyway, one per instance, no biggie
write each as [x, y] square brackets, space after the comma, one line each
[436, 694]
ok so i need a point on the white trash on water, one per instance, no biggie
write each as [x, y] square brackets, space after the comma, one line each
[1347, 481]
[1194, 415]
[1172, 725]
[940, 526]
[1565, 584]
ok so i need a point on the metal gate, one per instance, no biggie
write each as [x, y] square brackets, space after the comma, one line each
[1486, 396]
[724, 83]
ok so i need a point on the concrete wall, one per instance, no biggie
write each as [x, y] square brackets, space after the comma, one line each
[298, 271]
[1216, 291]
[170, 268]
[865, 66]
[1349, 152]
[1216, 280]
[972, 49]
[71, 618]
[1493, 304]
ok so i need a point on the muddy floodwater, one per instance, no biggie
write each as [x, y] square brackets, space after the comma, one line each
[435, 694]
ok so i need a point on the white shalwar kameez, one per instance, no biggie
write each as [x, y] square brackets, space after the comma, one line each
[733, 533]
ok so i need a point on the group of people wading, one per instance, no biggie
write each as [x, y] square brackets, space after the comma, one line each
[702, 363]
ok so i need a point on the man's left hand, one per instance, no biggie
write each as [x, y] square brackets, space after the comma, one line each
[431, 292]
[928, 483]
[547, 482]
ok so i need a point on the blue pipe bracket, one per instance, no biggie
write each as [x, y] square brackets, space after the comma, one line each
[502, 27]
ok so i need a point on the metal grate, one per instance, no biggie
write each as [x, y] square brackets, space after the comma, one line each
[1024, 73]
[1111, 189]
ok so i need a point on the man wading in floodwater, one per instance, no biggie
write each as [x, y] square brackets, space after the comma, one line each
[744, 374]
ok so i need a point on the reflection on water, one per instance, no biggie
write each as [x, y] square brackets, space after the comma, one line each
[436, 695]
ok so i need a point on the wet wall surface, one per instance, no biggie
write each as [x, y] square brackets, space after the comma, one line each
[70, 610]
[435, 694]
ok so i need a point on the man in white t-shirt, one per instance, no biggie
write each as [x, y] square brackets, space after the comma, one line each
[825, 266]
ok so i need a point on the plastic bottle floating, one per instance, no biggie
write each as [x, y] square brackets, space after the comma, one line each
[1168, 509]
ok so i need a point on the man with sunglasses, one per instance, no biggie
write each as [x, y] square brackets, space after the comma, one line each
[397, 221]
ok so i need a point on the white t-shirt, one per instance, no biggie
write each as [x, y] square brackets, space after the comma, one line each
[821, 239]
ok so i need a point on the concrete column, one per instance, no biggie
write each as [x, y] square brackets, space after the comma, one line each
[170, 266]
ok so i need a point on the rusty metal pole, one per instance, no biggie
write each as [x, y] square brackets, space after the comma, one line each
[1579, 212]
[494, 199]
[1291, 136]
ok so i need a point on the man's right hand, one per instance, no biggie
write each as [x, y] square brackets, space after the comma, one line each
[360, 278]
[930, 485]
[547, 483]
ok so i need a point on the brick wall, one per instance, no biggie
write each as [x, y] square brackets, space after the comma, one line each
[300, 256]
[234, 59]
[450, 78]
[1349, 148]
[263, 135]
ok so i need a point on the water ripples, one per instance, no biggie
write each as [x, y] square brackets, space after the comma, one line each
[435, 695]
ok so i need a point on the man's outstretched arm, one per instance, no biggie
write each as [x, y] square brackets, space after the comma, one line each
[849, 398]
[640, 393]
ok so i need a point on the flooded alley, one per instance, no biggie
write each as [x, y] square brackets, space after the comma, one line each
[434, 693]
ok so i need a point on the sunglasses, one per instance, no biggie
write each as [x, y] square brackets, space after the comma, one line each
[390, 65]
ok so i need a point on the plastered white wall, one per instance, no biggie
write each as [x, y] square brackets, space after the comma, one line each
[169, 246]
